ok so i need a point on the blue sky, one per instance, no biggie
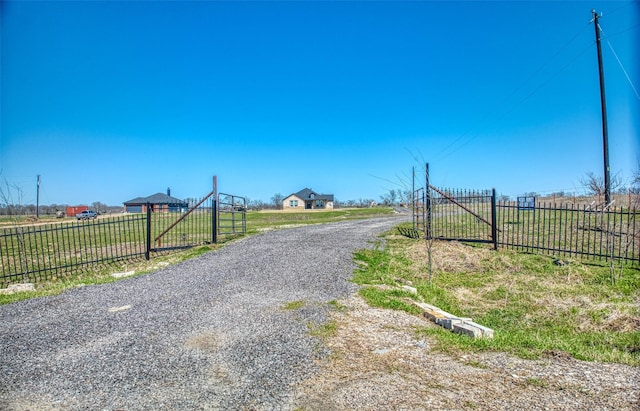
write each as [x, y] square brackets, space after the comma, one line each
[108, 101]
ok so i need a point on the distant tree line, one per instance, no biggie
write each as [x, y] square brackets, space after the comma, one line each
[396, 197]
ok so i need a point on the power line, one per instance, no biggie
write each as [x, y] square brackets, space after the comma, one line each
[517, 89]
[624, 6]
[521, 101]
[622, 31]
[623, 70]
[620, 63]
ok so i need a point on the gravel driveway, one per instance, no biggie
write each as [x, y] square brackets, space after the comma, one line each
[208, 333]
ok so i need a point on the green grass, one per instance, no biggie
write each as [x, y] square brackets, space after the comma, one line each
[323, 331]
[534, 306]
[337, 306]
[294, 305]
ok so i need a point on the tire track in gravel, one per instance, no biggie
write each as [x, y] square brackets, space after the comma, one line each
[208, 333]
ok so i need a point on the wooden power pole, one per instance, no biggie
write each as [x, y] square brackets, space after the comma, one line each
[603, 104]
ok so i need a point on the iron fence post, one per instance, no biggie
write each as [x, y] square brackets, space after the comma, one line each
[147, 253]
[494, 227]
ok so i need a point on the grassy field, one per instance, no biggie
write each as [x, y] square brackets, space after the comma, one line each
[92, 242]
[535, 306]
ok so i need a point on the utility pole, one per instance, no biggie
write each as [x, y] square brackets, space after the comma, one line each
[603, 104]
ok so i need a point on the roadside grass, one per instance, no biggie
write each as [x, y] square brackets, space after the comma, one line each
[256, 222]
[535, 307]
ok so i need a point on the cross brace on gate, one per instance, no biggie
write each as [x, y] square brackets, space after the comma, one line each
[453, 200]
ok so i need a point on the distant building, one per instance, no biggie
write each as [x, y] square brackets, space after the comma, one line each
[159, 203]
[308, 199]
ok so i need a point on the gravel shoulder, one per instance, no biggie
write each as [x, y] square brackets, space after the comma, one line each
[379, 363]
[233, 330]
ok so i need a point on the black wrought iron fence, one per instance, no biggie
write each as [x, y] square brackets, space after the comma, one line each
[586, 231]
[608, 233]
[572, 231]
[40, 252]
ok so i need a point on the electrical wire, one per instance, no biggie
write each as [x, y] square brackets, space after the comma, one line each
[624, 71]
[441, 156]
[622, 31]
[521, 101]
[621, 65]
[622, 7]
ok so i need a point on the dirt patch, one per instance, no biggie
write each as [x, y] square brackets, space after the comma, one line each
[379, 362]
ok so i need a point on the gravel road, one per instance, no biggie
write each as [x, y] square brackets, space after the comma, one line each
[209, 333]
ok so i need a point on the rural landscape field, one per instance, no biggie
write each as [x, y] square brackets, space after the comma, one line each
[540, 304]
[320, 205]
[571, 317]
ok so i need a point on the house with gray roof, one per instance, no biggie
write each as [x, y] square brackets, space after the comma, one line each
[307, 199]
[159, 202]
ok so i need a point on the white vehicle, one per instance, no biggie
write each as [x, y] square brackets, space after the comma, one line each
[86, 214]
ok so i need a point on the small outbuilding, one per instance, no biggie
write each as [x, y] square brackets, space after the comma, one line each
[307, 199]
[159, 203]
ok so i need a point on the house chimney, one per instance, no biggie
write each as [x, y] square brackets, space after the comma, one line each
[169, 191]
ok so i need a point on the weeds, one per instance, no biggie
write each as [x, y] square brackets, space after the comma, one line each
[534, 305]
[294, 305]
[323, 331]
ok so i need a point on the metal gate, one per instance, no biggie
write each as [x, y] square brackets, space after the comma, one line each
[232, 214]
[446, 214]
[462, 215]
[203, 222]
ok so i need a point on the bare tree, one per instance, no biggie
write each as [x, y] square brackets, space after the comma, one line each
[635, 188]
[99, 207]
[277, 200]
[7, 198]
[390, 198]
[595, 184]
[635, 181]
